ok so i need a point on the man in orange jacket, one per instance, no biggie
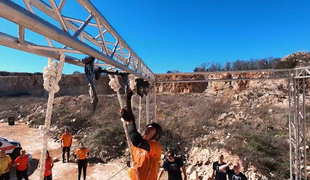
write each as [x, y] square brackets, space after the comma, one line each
[66, 142]
[22, 164]
[146, 149]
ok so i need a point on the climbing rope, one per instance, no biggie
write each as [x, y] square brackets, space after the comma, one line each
[117, 173]
[114, 83]
[51, 75]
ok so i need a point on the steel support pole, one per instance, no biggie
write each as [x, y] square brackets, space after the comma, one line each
[304, 126]
[290, 126]
[155, 109]
[147, 97]
[295, 130]
[140, 108]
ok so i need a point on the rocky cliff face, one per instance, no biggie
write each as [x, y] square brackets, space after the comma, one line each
[19, 84]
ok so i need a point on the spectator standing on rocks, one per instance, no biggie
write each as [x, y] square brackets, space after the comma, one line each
[82, 153]
[233, 174]
[5, 165]
[217, 173]
[66, 142]
[146, 149]
[22, 165]
[173, 166]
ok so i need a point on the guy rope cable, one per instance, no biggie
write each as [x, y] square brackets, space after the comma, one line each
[51, 75]
[114, 83]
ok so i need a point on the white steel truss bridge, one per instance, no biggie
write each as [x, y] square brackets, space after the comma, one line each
[116, 54]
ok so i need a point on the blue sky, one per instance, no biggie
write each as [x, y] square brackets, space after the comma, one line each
[180, 35]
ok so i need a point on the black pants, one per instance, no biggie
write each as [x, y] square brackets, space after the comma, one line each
[5, 176]
[82, 164]
[22, 174]
[64, 150]
[48, 177]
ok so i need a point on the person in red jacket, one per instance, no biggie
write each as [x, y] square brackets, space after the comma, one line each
[21, 163]
[48, 167]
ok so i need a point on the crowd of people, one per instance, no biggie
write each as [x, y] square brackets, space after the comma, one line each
[22, 162]
[146, 151]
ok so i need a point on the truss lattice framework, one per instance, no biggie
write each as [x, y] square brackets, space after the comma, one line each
[298, 89]
[224, 76]
[115, 54]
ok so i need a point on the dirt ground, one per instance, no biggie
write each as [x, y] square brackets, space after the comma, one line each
[31, 142]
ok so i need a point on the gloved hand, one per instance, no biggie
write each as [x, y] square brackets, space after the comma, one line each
[126, 115]
[128, 163]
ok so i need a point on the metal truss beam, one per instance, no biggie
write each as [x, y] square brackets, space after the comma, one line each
[12, 42]
[27, 19]
[224, 76]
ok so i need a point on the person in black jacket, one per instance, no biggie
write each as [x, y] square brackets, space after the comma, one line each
[173, 166]
[217, 173]
[233, 174]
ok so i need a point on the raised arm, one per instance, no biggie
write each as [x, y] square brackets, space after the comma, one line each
[224, 167]
[135, 137]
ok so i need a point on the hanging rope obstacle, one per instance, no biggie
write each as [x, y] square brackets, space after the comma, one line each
[51, 76]
[114, 83]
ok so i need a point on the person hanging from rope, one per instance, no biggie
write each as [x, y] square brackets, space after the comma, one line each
[22, 165]
[5, 165]
[173, 166]
[48, 166]
[82, 153]
[235, 173]
[66, 142]
[146, 149]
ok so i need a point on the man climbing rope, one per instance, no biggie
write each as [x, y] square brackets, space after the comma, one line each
[82, 153]
[217, 173]
[173, 166]
[233, 174]
[5, 165]
[66, 142]
[22, 165]
[146, 150]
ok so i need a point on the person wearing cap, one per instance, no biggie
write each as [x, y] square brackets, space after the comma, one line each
[146, 149]
[235, 173]
[21, 163]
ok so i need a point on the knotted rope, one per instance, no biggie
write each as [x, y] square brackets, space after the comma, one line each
[114, 83]
[51, 75]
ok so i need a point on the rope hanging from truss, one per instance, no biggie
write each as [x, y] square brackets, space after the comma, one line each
[51, 75]
[115, 85]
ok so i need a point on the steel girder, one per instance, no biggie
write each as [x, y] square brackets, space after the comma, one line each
[224, 76]
[121, 56]
[298, 89]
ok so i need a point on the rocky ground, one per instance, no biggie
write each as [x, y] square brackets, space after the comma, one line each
[246, 121]
[32, 143]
